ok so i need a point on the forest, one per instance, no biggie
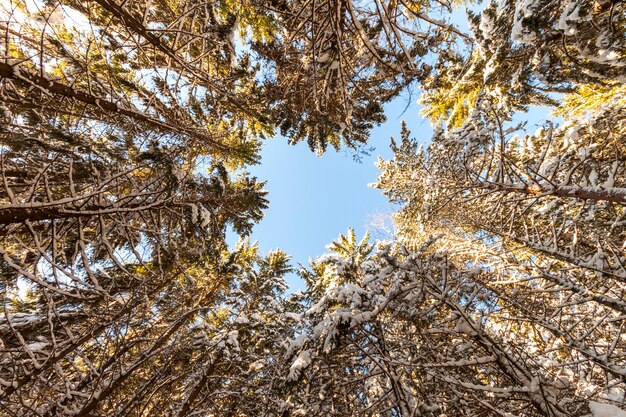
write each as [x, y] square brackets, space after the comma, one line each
[127, 131]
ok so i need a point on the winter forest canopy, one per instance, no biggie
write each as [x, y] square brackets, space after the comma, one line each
[126, 131]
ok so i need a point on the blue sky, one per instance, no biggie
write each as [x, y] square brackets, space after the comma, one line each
[313, 199]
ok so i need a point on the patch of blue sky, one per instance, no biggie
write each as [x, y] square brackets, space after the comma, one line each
[314, 198]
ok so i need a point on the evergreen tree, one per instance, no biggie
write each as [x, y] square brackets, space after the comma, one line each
[541, 211]
[524, 52]
[118, 151]
[399, 332]
[334, 64]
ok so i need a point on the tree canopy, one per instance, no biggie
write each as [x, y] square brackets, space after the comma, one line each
[126, 129]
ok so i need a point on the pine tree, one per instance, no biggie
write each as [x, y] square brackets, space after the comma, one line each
[399, 332]
[118, 151]
[336, 63]
[542, 212]
[526, 53]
